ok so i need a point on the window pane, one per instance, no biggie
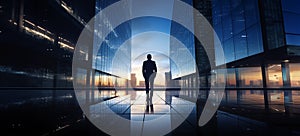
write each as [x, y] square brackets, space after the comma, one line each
[250, 77]
[295, 74]
[291, 5]
[293, 39]
[231, 81]
[238, 19]
[291, 23]
[218, 30]
[226, 19]
[240, 46]
[229, 50]
[227, 27]
[254, 40]
[251, 12]
[274, 75]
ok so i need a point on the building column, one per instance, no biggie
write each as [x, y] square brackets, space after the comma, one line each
[288, 99]
[265, 78]
[237, 77]
[21, 15]
[93, 87]
[286, 74]
[88, 86]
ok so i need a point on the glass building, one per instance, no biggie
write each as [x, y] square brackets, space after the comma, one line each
[38, 39]
[105, 75]
[181, 67]
[260, 40]
[196, 73]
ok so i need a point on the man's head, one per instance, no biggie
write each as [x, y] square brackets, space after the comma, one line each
[149, 56]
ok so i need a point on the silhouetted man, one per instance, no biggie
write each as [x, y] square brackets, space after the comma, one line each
[149, 73]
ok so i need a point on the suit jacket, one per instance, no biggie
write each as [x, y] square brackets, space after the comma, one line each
[149, 67]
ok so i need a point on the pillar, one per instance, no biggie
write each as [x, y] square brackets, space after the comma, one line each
[265, 78]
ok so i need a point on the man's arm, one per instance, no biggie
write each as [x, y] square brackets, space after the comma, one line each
[143, 69]
[155, 68]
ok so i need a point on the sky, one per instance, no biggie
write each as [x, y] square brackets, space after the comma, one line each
[155, 43]
[151, 35]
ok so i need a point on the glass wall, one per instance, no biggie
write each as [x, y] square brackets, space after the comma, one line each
[295, 74]
[237, 25]
[105, 72]
[249, 77]
[291, 16]
[274, 75]
[187, 39]
[231, 78]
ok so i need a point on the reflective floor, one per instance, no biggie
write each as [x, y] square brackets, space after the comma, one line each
[56, 112]
[141, 119]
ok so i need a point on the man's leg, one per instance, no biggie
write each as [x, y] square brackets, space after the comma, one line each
[147, 94]
[151, 94]
[147, 102]
[147, 85]
[151, 91]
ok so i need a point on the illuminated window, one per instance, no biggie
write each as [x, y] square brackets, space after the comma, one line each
[250, 77]
[295, 75]
[274, 76]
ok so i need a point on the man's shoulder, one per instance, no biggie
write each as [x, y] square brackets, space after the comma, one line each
[149, 61]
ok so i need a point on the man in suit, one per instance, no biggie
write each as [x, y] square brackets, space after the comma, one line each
[149, 73]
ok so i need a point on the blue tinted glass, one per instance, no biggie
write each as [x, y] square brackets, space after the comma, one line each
[236, 4]
[227, 27]
[251, 12]
[216, 11]
[187, 39]
[293, 39]
[291, 5]
[254, 40]
[291, 22]
[226, 6]
[229, 50]
[240, 44]
[238, 19]
[218, 30]
[217, 18]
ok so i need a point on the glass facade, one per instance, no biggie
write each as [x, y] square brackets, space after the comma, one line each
[237, 25]
[187, 39]
[44, 34]
[105, 75]
[291, 17]
[274, 75]
[295, 74]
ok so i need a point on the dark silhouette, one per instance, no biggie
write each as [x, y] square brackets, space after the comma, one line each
[149, 72]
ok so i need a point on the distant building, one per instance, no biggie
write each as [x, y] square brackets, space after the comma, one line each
[142, 84]
[133, 80]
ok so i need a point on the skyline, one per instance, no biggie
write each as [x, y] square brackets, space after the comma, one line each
[154, 43]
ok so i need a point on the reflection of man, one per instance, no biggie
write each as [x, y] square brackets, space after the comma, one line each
[149, 73]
